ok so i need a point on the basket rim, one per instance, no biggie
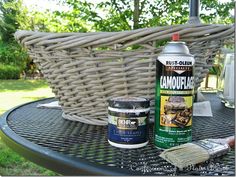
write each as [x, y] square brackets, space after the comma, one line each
[122, 39]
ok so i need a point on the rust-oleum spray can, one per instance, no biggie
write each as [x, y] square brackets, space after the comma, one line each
[174, 95]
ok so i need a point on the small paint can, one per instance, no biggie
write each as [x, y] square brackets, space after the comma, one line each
[128, 122]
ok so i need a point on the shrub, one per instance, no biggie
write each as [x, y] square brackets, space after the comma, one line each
[13, 54]
[14, 58]
[9, 72]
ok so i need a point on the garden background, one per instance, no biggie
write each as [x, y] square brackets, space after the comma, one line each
[21, 81]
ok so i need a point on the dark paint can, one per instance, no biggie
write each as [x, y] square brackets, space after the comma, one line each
[128, 122]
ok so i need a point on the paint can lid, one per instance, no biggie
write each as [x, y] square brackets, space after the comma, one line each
[126, 102]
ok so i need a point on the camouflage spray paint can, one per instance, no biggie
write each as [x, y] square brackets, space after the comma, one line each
[174, 95]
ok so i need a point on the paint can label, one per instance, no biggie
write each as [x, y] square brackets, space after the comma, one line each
[128, 128]
[173, 100]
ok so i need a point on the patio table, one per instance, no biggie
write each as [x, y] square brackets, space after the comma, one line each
[73, 148]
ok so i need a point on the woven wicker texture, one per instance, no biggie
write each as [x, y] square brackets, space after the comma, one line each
[86, 69]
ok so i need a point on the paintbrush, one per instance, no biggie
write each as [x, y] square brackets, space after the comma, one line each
[190, 154]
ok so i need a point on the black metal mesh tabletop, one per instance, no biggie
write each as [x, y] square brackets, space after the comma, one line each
[73, 148]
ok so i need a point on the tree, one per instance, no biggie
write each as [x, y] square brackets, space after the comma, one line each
[116, 15]
[108, 15]
[9, 10]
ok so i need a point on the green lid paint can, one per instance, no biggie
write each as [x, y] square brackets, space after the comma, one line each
[174, 95]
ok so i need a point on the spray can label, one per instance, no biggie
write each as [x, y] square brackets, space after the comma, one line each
[174, 100]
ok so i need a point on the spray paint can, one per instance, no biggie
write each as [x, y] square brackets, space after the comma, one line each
[174, 95]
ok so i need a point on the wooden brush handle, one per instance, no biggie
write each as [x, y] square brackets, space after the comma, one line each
[230, 141]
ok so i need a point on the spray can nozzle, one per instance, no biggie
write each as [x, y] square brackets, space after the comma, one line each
[175, 37]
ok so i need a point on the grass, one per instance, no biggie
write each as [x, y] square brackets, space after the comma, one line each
[13, 93]
[22, 85]
[16, 92]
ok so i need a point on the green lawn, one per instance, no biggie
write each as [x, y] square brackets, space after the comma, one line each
[13, 93]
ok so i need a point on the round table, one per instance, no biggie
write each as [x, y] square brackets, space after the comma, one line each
[74, 148]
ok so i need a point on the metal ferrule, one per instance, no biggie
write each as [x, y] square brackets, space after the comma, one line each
[214, 149]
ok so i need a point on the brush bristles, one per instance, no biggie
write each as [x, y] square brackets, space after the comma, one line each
[185, 155]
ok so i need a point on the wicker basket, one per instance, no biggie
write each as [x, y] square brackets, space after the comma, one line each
[84, 70]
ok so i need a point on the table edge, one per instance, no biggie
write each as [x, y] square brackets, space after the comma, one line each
[50, 159]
